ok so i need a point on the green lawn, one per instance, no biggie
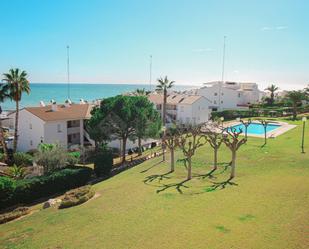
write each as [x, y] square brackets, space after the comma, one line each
[268, 208]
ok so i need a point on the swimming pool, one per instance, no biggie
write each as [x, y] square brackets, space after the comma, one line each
[256, 128]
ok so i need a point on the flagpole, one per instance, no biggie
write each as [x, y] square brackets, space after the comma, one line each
[68, 70]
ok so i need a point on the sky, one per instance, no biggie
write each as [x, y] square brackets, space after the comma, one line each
[111, 40]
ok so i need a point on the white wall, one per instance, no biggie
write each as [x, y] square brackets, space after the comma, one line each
[229, 97]
[52, 135]
[30, 131]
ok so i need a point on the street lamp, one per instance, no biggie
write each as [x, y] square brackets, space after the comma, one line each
[163, 143]
[304, 119]
[222, 119]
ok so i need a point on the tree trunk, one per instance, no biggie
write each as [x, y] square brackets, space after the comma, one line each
[265, 138]
[233, 165]
[139, 146]
[164, 106]
[16, 127]
[294, 113]
[172, 160]
[215, 159]
[124, 144]
[5, 151]
[189, 169]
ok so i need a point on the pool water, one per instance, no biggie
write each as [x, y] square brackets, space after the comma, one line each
[256, 128]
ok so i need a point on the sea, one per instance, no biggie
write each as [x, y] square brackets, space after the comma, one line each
[89, 92]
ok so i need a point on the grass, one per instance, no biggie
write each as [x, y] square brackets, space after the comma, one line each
[266, 206]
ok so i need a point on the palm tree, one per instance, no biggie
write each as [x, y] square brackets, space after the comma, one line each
[272, 89]
[141, 92]
[162, 87]
[15, 84]
[295, 97]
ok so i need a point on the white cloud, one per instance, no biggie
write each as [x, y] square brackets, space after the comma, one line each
[202, 50]
[268, 28]
[281, 27]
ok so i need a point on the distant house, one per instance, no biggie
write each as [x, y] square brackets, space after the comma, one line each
[229, 95]
[63, 124]
[183, 109]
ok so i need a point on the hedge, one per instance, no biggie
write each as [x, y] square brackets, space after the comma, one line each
[18, 212]
[25, 191]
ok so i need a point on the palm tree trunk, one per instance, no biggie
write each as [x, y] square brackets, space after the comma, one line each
[164, 106]
[172, 160]
[189, 169]
[16, 127]
[124, 144]
[233, 165]
[294, 112]
[5, 150]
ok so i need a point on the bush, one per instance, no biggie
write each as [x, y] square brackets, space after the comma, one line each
[22, 159]
[1, 157]
[72, 160]
[29, 190]
[7, 186]
[51, 157]
[17, 172]
[77, 196]
[103, 162]
[16, 213]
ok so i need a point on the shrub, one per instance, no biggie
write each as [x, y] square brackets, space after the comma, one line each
[72, 160]
[16, 213]
[1, 157]
[22, 159]
[17, 172]
[103, 162]
[51, 157]
[77, 196]
[7, 186]
[29, 190]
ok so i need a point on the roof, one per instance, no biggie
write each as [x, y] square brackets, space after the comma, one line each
[73, 112]
[174, 99]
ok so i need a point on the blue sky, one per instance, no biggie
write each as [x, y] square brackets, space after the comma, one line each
[110, 41]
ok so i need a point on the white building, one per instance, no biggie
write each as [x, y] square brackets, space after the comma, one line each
[229, 95]
[183, 109]
[63, 124]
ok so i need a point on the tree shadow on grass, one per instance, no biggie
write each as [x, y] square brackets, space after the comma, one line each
[211, 174]
[178, 186]
[144, 171]
[221, 185]
[159, 177]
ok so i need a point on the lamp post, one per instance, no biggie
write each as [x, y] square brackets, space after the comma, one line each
[222, 119]
[304, 119]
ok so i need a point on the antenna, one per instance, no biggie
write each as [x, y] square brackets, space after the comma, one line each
[223, 68]
[150, 72]
[68, 69]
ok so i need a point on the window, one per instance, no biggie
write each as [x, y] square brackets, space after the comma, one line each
[215, 102]
[199, 107]
[59, 128]
[31, 143]
[222, 94]
[187, 120]
[181, 108]
[30, 126]
[216, 94]
[238, 95]
[221, 101]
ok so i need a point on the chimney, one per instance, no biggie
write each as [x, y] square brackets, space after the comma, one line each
[54, 106]
[42, 104]
[67, 103]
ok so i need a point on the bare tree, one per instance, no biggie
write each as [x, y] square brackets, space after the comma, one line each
[233, 142]
[215, 140]
[246, 124]
[171, 141]
[189, 141]
[265, 124]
